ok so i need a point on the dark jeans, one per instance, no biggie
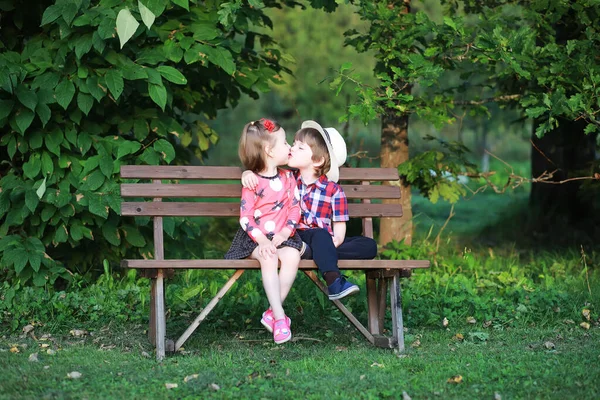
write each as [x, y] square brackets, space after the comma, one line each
[325, 254]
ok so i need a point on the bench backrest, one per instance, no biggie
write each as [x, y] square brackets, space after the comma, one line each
[356, 182]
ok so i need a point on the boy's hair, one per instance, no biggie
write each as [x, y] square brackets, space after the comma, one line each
[251, 146]
[315, 141]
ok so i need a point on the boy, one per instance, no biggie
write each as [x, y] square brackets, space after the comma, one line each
[317, 154]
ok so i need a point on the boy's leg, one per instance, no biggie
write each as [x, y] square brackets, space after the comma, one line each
[325, 256]
[290, 258]
[357, 248]
[323, 250]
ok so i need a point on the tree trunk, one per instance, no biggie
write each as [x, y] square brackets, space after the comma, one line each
[394, 151]
[570, 152]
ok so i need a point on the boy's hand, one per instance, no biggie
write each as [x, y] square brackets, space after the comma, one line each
[249, 180]
[337, 241]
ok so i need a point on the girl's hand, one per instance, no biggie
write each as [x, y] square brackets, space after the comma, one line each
[281, 237]
[266, 250]
[278, 238]
[249, 180]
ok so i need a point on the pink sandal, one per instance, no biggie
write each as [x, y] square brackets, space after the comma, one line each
[268, 320]
[282, 332]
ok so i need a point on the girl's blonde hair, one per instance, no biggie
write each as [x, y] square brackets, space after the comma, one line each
[317, 144]
[254, 137]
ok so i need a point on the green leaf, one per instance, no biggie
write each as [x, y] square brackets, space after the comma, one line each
[11, 147]
[222, 58]
[97, 207]
[133, 236]
[41, 190]
[156, 6]
[53, 141]
[69, 11]
[71, 135]
[15, 257]
[140, 129]
[62, 234]
[84, 142]
[76, 232]
[114, 81]
[134, 71]
[27, 97]
[64, 93]
[147, 15]
[154, 76]
[32, 167]
[150, 157]
[172, 75]
[48, 80]
[165, 149]
[106, 29]
[111, 233]
[93, 181]
[126, 26]
[94, 88]
[23, 119]
[590, 128]
[83, 45]
[6, 107]
[47, 164]
[85, 102]
[36, 140]
[51, 14]
[128, 147]
[43, 111]
[106, 165]
[48, 210]
[158, 94]
[204, 31]
[535, 112]
[448, 21]
[98, 42]
[40, 279]
[182, 3]
[31, 200]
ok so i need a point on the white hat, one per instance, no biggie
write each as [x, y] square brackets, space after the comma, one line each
[336, 146]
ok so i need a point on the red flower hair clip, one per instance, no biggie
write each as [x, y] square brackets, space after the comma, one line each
[268, 124]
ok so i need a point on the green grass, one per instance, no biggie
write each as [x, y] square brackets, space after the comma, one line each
[514, 363]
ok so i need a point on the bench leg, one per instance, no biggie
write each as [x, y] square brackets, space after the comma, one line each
[152, 323]
[382, 294]
[397, 321]
[372, 304]
[159, 315]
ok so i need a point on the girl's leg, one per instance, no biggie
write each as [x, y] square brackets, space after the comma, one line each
[270, 278]
[290, 258]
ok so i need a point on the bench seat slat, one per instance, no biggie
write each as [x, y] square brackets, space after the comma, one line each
[202, 172]
[235, 190]
[214, 209]
[253, 264]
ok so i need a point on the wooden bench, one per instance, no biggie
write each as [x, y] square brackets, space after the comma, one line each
[380, 274]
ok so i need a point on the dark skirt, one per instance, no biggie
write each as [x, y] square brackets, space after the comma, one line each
[242, 246]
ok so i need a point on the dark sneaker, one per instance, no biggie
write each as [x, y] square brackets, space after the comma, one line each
[305, 252]
[341, 288]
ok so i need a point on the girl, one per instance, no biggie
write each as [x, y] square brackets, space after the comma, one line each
[268, 217]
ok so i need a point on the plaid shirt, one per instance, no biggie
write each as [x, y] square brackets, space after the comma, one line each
[322, 203]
